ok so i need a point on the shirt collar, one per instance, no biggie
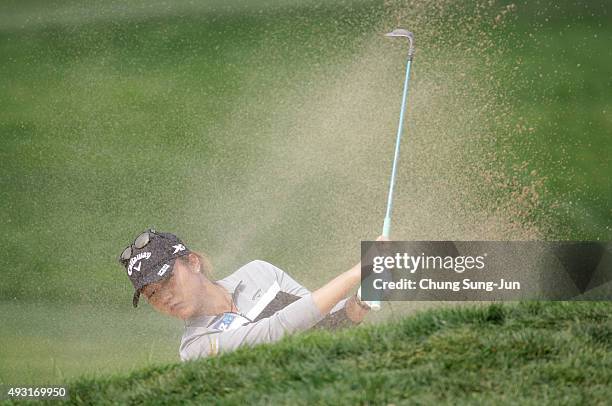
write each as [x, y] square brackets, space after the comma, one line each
[205, 319]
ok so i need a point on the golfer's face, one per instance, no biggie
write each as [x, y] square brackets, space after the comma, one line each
[177, 296]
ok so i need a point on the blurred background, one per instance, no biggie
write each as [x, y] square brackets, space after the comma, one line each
[264, 129]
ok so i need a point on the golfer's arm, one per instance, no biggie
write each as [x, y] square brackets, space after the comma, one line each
[326, 297]
[298, 316]
[348, 309]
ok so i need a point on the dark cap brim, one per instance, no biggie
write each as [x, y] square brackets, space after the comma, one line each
[136, 298]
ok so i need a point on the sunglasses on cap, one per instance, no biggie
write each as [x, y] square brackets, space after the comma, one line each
[140, 242]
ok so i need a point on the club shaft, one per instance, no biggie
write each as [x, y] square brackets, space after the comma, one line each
[387, 222]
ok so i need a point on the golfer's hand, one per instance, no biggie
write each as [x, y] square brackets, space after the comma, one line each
[354, 311]
[382, 238]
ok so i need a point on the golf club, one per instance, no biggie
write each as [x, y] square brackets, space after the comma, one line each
[398, 33]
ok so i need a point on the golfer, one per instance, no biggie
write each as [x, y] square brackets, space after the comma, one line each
[259, 303]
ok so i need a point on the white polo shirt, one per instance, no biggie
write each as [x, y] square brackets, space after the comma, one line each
[253, 287]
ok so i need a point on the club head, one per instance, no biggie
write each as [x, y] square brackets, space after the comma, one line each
[402, 33]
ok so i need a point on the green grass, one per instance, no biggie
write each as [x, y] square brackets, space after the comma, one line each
[111, 127]
[530, 353]
[115, 119]
[46, 342]
[562, 101]
[114, 124]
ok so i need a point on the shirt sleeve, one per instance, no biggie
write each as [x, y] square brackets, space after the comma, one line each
[337, 318]
[298, 316]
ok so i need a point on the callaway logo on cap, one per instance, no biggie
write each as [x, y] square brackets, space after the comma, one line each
[150, 258]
